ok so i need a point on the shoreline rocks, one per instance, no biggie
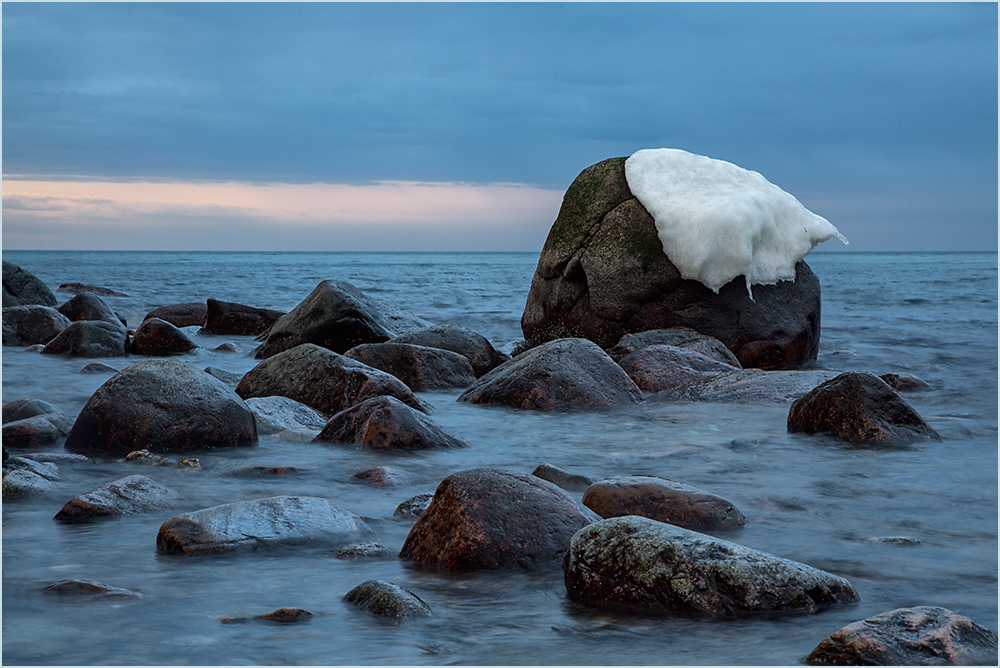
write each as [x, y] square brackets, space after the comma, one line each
[131, 495]
[229, 318]
[421, 368]
[386, 423]
[21, 287]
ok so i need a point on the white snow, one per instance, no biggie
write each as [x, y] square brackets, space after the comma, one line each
[717, 221]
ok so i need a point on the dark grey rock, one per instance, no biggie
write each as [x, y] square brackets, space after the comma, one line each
[37, 431]
[568, 481]
[904, 382]
[421, 368]
[19, 409]
[88, 306]
[660, 367]
[98, 367]
[386, 423]
[131, 495]
[639, 563]
[272, 523]
[89, 589]
[681, 337]
[21, 287]
[367, 550]
[462, 340]
[278, 414]
[382, 476]
[89, 338]
[156, 337]
[180, 315]
[413, 507]
[229, 318]
[32, 324]
[385, 599]
[162, 405]
[78, 288]
[748, 386]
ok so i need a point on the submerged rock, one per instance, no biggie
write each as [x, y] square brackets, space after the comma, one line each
[602, 273]
[278, 414]
[386, 423]
[413, 507]
[22, 287]
[920, 636]
[238, 319]
[558, 375]
[77, 288]
[32, 324]
[338, 316]
[131, 495]
[494, 519]
[420, 367]
[279, 616]
[98, 367]
[180, 315]
[385, 599]
[639, 563]
[158, 337]
[367, 550]
[858, 408]
[662, 500]
[90, 589]
[19, 483]
[263, 472]
[146, 458]
[381, 476]
[322, 380]
[462, 340]
[660, 367]
[748, 386]
[557, 476]
[904, 382]
[161, 405]
[19, 409]
[89, 338]
[271, 523]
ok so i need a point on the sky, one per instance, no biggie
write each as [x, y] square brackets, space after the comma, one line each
[458, 127]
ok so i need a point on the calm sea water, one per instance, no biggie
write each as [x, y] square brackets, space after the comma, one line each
[807, 499]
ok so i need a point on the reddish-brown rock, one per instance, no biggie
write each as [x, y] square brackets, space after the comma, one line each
[386, 423]
[474, 346]
[495, 519]
[238, 319]
[661, 367]
[664, 501]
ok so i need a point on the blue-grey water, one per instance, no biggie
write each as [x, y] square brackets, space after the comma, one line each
[807, 498]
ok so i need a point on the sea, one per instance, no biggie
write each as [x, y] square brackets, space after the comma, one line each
[908, 526]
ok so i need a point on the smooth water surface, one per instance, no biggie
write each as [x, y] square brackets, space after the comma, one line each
[811, 499]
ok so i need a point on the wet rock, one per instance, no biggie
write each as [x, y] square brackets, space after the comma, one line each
[228, 377]
[98, 367]
[338, 316]
[227, 348]
[660, 367]
[131, 495]
[662, 500]
[894, 540]
[680, 337]
[322, 380]
[22, 483]
[89, 338]
[161, 405]
[181, 315]
[494, 519]
[78, 288]
[89, 589]
[413, 507]
[859, 408]
[904, 382]
[229, 318]
[385, 599]
[386, 423]
[32, 324]
[279, 616]
[88, 306]
[749, 386]
[37, 431]
[146, 458]
[420, 367]
[920, 636]
[157, 337]
[559, 375]
[382, 476]
[280, 414]
[271, 523]
[602, 273]
[462, 340]
[21, 287]
[263, 472]
[557, 476]
[639, 563]
[19, 409]
[46, 469]
[368, 550]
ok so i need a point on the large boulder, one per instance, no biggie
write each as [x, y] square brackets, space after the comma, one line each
[921, 636]
[271, 523]
[31, 324]
[661, 367]
[89, 338]
[602, 273]
[184, 314]
[338, 316]
[322, 380]
[635, 562]
[420, 367]
[476, 348]
[22, 287]
[860, 408]
[161, 405]
[386, 423]
[664, 501]
[130, 495]
[558, 375]
[494, 519]
[238, 319]
[155, 337]
[88, 306]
